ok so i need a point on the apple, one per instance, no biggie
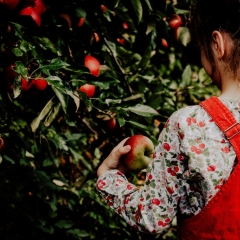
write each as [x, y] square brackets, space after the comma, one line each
[121, 40]
[125, 25]
[140, 155]
[30, 11]
[164, 43]
[10, 4]
[81, 22]
[92, 64]
[103, 8]
[111, 124]
[2, 145]
[39, 84]
[175, 21]
[88, 89]
[25, 84]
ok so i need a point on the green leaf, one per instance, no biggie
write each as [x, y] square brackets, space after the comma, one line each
[21, 69]
[78, 233]
[17, 52]
[64, 224]
[142, 110]
[17, 85]
[186, 76]
[35, 123]
[55, 64]
[148, 4]
[46, 44]
[184, 35]
[80, 13]
[138, 9]
[54, 112]
[140, 126]
[63, 98]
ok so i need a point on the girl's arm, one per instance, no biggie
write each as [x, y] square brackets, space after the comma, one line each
[152, 207]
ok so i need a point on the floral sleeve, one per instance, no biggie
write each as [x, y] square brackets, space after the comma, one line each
[152, 207]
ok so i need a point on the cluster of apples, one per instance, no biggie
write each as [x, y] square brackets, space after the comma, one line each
[174, 23]
[32, 8]
[9, 75]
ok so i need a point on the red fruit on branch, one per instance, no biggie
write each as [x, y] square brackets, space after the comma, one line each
[175, 21]
[88, 89]
[25, 84]
[125, 25]
[39, 84]
[92, 64]
[30, 11]
[164, 43]
[140, 155]
[103, 8]
[111, 124]
[11, 4]
[2, 145]
[81, 22]
[121, 40]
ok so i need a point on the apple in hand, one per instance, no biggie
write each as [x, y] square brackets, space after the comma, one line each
[140, 155]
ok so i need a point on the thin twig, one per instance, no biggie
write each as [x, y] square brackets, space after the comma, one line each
[119, 66]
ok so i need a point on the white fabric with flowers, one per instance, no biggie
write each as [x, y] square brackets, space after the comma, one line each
[192, 161]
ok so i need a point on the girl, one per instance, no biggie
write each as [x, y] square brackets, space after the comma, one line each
[194, 174]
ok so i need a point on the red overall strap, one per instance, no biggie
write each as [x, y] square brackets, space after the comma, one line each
[220, 218]
[225, 121]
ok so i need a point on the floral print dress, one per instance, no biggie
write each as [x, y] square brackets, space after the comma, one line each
[192, 161]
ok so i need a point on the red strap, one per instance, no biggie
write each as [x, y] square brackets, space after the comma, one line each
[225, 121]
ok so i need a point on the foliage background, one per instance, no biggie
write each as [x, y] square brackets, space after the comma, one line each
[55, 139]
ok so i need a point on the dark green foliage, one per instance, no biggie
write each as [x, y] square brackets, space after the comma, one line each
[56, 138]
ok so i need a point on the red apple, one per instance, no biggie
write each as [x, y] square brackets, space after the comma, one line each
[125, 25]
[26, 84]
[88, 89]
[140, 155]
[30, 11]
[2, 145]
[81, 22]
[175, 21]
[111, 124]
[11, 4]
[92, 64]
[39, 84]
[121, 40]
[164, 43]
[103, 8]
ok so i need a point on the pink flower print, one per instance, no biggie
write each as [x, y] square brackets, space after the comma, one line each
[166, 146]
[180, 157]
[167, 220]
[211, 168]
[154, 155]
[201, 124]
[150, 177]
[129, 187]
[156, 201]
[141, 207]
[211, 120]
[166, 123]
[119, 173]
[101, 184]
[188, 120]
[110, 204]
[176, 169]
[119, 210]
[193, 148]
[170, 190]
[198, 151]
[171, 171]
[161, 223]
[225, 149]
[223, 141]
[137, 215]
[127, 199]
[202, 145]
[181, 135]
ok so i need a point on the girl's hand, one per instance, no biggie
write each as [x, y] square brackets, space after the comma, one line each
[112, 161]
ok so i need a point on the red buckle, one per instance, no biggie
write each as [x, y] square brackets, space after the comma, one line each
[236, 133]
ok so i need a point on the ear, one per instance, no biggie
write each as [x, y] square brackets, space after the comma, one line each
[218, 46]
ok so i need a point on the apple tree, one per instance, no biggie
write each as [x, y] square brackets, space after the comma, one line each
[76, 78]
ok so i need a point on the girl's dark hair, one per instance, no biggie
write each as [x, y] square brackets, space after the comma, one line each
[220, 15]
